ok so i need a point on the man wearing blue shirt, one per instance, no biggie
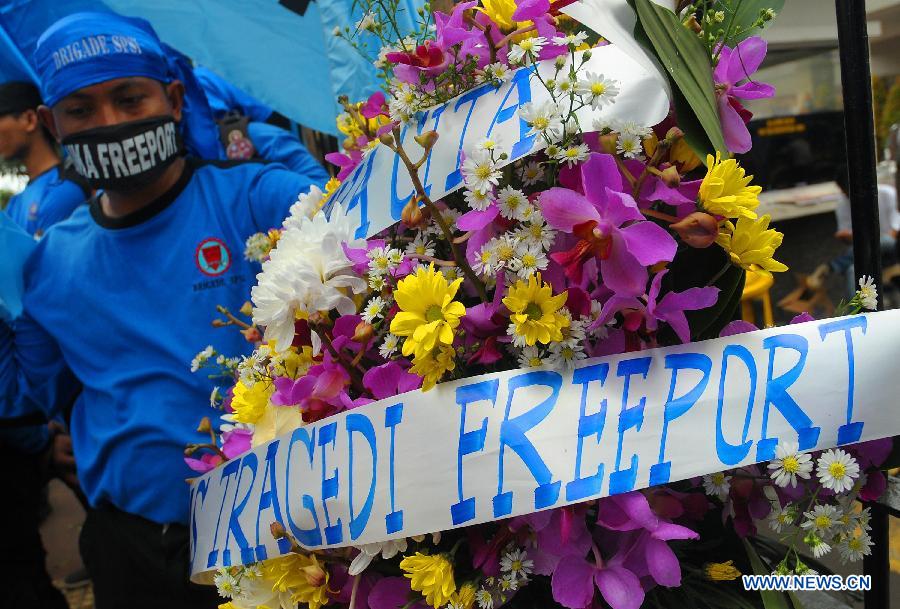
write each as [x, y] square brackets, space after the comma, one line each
[50, 195]
[123, 293]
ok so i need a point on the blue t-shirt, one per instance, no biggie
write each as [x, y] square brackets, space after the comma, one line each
[279, 146]
[49, 198]
[126, 304]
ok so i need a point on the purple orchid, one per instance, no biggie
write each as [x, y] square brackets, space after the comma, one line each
[670, 309]
[732, 76]
[319, 393]
[390, 379]
[609, 227]
[346, 161]
[234, 443]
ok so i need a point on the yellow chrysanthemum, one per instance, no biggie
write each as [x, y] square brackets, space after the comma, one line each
[249, 403]
[535, 311]
[292, 363]
[432, 576]
[726, 191]
[501, 12]
[751, 244]
[301, 575]
[428, 314]
[228, 605]
[431, 366]
[465, 597]
[721, 571]
[330, 186]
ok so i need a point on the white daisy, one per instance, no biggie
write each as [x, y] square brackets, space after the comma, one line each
[227, 585]
[420, 246]
[574, 40]
[633, 128]
[497, 72]
[367, 552]
[822, 519]
[377, 282]
[543, 120]
[537, 231]
[566, 355]
[529, 261]
[564, 86]
[373, 309]
[532, 173]
[629, 145]
[201, 358]
[479, 171]
[516, 563]
[573, 154]
[477, 200]
[837, 470]
[526, 50]
[868, 294]
[818, 545]
[854, 547]
[405, 99]
[530, 357]
[788, 464]
[486, 261]
[781, 517]
[717, 485]
[388, 346]
[484, 599]
[509, 583]
[368, 23]
[512, 203]
[598, 90]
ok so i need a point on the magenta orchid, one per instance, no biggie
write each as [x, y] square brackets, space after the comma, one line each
[733, 82]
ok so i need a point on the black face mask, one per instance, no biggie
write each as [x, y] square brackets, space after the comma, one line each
[126, 156]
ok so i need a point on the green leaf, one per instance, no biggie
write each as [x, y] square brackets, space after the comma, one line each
[771, 599]
[686, 60]
[746, 13]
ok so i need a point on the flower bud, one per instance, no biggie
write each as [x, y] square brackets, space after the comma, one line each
[387, 139]
[412, 215]
[586, 55]
[252, 334]
[277, 530]
[219, 323]
[204, 426]
[315, 575]
[363, 333]
[670, 176]
[693, 24]
[247, 309]
[698, 229]
[674, 134]
[427, 139]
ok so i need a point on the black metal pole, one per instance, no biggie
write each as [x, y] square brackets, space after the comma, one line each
[859, 124]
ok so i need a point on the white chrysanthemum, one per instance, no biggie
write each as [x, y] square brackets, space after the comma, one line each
[526, 50]
[307, 205]
[201, 358]
[564, 86]
[479, 171]
[837, 470]
[530, 357]
[513, 203]
[574, 40]
[373, 309]
[486, 144]
[477, 200]
[781, 517]
[486, 260]
[822, 520]
[717, 485]
[532, 173]
[629, 145]
[566, 355]
[307, 272]
[597, 90]
[227, 585]
[537, 231]
[388, 346]
[405, 100]
[516, 563]
[868, 293]
[508, 583]
[854, 547]
[420, 246]
[818, 545]
[528, 261]
[544, 119]
[573, 154]
[367, 552]
[789, 464]
[484, 599]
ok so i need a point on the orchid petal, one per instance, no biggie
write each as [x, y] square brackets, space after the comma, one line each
[620, 588]
[662, 563]
[572, 582]
[649, 243]
[564, 209]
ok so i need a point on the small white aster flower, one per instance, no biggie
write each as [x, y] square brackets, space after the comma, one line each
[543, 120]
[537, 231]
[497, 72]
[563, 355]
[565, 86]
[529, 261]
[868, 294]
[598, 90]
[532, 173]
[630, 146]
[603, 124]
[517, 563]
[376, 282]
[373, 309]
[573, 154]
[717, 485]
[405, 98]
[781, 517]
[789, 464]
[227, 585]
[389, 345]
[854, 547]
[818, 546]
[201, 358]
[822, 519]
[632, 128]
[527, 49]
[420, 246]
[368, 23]
[367, 552]
[574, 40]
[512, 203]
[379, 261]
[479, 171]
[509, 583]
[837, 470]
[530, 357]
[477, 200]
[486, 261]
[215, 396]
[484, 599]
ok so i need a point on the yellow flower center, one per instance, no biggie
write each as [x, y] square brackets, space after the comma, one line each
[837, 470]
[534, 361]
[533, 311]
[527, 44]
[380, 262]
[598, 88]
[528, 260]
[505, 252]
[483, 172]
[572, 153]
[790, 465]
[718, 478]
[420, 249]
[854, 544]
[823, 522]
[513, 202]
[536, 231]
[485, 257]
[434, 313]
[541, 122]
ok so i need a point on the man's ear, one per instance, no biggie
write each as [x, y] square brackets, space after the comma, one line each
[45, 114]
[175, 93]
[30, 120]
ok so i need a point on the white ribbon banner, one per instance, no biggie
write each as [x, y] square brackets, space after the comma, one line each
[378, 189]
[516, 442]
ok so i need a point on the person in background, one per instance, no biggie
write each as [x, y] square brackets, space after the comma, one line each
[52, 193]
[122, 294]
[889, 221]
[249, 129]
